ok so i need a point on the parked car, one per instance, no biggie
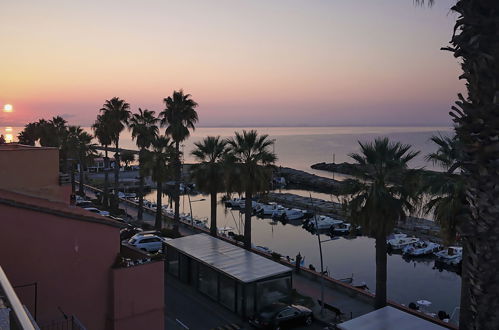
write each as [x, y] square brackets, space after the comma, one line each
[281, 316]
[147, 242]
[97, 211]
[84, 204]
[129, 231]
[112, 217]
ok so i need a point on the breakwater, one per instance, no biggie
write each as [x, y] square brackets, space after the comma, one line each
[303, 179]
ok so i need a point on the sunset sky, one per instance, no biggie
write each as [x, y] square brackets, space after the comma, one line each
[252, 62]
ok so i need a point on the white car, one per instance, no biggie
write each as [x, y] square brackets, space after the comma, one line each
[147, 242]
[97, 211]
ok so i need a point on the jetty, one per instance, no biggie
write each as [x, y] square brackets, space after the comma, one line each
[303, 179]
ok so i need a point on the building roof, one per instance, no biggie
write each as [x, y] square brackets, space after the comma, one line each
[36, 204]
[18, 147]
[388, 318]
[234, 261]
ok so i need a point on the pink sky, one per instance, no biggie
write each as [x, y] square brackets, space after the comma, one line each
[280, 62]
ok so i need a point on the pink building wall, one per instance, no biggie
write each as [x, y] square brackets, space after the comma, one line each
[139, 297]
[70, 260]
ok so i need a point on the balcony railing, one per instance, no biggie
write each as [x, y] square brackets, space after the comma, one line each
[13, 315]
[65, 323]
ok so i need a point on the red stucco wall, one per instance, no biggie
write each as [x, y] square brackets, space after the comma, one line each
[139, 297]
[69, 259]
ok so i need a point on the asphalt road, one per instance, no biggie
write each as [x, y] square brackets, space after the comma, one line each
[187, 309]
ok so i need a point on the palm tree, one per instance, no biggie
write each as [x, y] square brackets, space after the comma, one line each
[381, 195]
[144, 131]
[80, 146]
[28, 135]
[209, 173]
[119, 114]
[102, 132]
[157, 161]
[449, 204]
[179, 117]
[252, 158]
[475, 43]
[127, 156]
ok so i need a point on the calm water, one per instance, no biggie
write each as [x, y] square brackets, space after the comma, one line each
[299, 147]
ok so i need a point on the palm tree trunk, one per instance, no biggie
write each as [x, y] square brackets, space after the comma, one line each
[141, 186]
[73, 181]
[247, 219]
[176, 193]
[213, 225]
[116, 177]
[380, 298]
[475, 43]
[464, 312]
[81, 192]
[105, 199]
[159, 217]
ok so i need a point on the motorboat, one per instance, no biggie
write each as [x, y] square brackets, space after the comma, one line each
[263, 249]
[234, 202]
[266, 209]
[451, 255]
[341, 229]
[399, 241]
[287, 214]
[242, 204]
[420, 248]
[322, 222]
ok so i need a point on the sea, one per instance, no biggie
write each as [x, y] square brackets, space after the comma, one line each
[409, 280]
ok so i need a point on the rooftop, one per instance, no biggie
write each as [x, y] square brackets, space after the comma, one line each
[17, 146]
[52, 207]
[388, 318]
[232, 260]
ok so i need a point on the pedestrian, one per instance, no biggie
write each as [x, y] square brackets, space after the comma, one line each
[298, 261]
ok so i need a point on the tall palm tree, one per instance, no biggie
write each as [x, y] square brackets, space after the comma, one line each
[251, 157]
[179, 117]
[81, 147]
[209, 173]
[476, 44]
[449, 204]
[28, 135]
[102, 131]
[157, 161]
[144, 131]
[119, 114]
[381, 195]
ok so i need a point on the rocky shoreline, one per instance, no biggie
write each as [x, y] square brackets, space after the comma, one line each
[306, 180]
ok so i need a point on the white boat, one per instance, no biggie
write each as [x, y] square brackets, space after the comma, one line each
[262, 249]
[420, 248]
[266, 209]
[341, 228]
[234, 202]
[287, 214]
[323, 222]
[451, 255]
[399, 241]
[242, 204]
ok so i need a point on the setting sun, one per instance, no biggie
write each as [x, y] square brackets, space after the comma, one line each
[8, 108]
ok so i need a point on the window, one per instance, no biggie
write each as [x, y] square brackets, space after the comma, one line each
[208, 281]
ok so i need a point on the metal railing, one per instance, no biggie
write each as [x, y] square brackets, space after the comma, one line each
[19, 319]
[65, 323]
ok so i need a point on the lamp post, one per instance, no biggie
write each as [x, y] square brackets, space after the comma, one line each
[190, 206]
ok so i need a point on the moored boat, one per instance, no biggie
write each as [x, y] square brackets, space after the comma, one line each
[322, 222]
[420, 248]
[451, 255]
[399, 241]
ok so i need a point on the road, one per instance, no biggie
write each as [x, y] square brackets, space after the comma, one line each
[188, 309]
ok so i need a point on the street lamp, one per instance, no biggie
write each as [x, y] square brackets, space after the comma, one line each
[190, 206]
